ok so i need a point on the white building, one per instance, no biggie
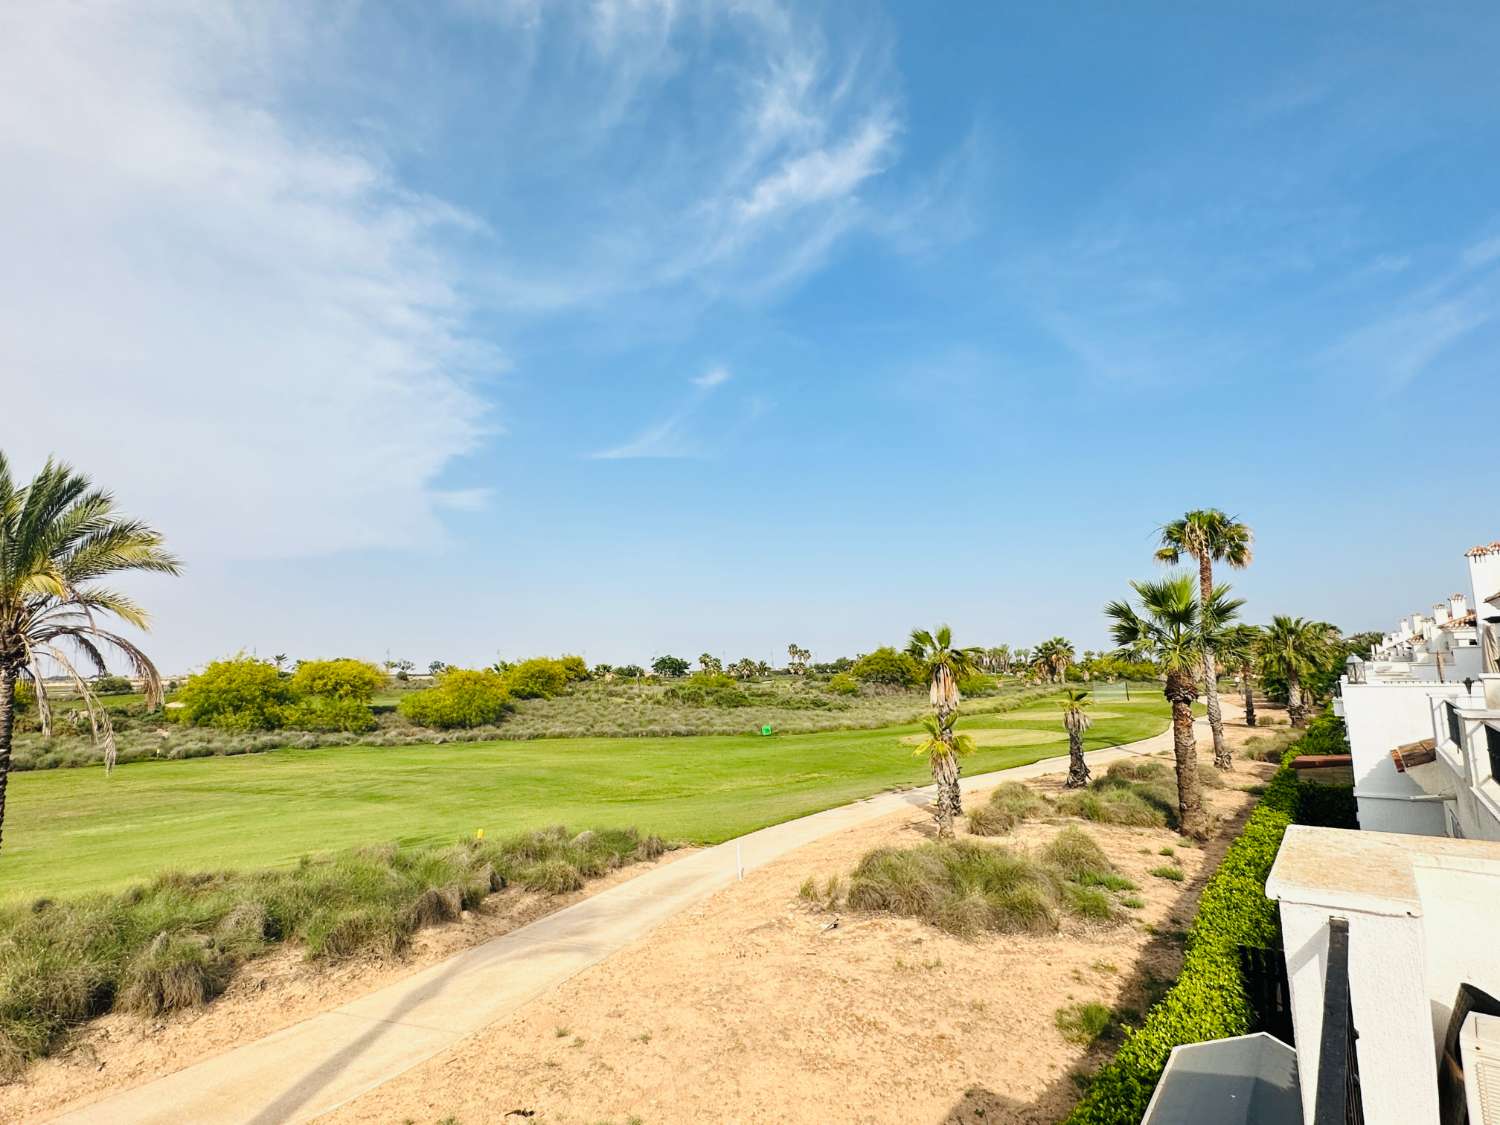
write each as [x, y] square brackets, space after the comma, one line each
[1392, 962]
[1422, 711]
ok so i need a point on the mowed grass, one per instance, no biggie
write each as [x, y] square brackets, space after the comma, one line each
[74, 830]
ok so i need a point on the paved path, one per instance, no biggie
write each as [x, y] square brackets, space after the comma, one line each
[314, 1066]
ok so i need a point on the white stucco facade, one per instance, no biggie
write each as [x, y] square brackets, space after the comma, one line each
[1422, 913]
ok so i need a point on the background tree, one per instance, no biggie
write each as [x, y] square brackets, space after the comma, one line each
[1294, 650]
[943, 665]
[280, 661]
[797, 659]
[670, 667]
[711, 665]
[1076, 720]
[436, 667]
[1237, 648]
[58, 536]
[1208, 536]
[1171, 629]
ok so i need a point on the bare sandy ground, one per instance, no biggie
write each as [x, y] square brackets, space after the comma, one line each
[119, 1050]
[756, 1007]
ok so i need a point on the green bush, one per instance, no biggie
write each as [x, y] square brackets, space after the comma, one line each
[112, 685]
[338, 679]
[539, 678]
[176, 942]
[461, 698]
[241, 693]
[843, 683]
[329, 713]
[885, 667]
[1209, 1000]
[574, 667]
[25, 696]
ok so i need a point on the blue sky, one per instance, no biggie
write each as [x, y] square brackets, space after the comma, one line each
[488, 328]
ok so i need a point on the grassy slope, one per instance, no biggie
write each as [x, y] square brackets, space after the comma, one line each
[71, 830]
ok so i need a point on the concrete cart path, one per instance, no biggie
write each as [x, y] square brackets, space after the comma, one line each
[315, 1066]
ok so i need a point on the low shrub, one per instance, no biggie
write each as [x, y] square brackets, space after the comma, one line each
[843, 683]
[241, 693]
[112, 685]
[1010, 804]
[177, 941]
[969, 888]
[460, 698]
[1084, 1023]
[539, 678]
[330, 713]
[342, 679]
[1209, 999]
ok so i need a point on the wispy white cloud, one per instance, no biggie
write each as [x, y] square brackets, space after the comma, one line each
[250, 332]
[713, 377]
[672, 436]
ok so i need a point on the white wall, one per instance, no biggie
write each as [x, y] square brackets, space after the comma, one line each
[1381, 717]
[1461, 918]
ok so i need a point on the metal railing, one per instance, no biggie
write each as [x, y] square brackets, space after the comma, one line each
[1338, 1099]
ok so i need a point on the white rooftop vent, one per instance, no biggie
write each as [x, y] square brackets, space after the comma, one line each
[1480, 1044]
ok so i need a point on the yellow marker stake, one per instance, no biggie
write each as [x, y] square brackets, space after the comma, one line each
[479, 834]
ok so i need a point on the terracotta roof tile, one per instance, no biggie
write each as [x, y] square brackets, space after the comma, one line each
[1483, 549]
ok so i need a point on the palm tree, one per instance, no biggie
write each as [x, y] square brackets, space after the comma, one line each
[1293, 648]
[1173, 628]
[1238, 648]
[943, 666]
[1208, 536]
[58, 535]
[943, 748]
[1076, 720]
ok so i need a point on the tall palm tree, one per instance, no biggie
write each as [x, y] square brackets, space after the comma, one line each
[1208, 536]
[1238, 647]
[1076, 720]
[1294, 648]
[58, 536]
[943, 666]
[1173, 628]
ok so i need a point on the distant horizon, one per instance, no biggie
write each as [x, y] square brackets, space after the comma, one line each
[622, 329]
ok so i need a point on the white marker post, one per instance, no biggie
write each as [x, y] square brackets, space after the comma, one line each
[739, 860]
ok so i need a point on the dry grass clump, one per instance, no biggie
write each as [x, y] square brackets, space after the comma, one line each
[968, 888]
[177, 941]
[1010, 804]
[1138, 792]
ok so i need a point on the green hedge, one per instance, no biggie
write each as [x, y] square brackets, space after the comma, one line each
[1209, 999]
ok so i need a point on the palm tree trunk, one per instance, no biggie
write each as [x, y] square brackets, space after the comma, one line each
[1249, 700]
[1294, 706]
[945, 774]
[1191, 820]
[7, 728]
[1222, 757]
[1078, 768]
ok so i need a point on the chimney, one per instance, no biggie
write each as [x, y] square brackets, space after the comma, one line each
[1440, 613]
[1458, 605]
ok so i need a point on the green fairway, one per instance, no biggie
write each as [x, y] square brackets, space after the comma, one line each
[74, 829]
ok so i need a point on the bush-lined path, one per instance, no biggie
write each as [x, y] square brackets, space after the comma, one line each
[313, 1067]
[75, 830]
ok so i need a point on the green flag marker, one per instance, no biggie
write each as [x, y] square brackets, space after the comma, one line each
[766, 729]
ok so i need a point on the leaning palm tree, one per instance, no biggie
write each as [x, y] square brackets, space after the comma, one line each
[1172, 629]
[1208, 536]
[1076, 720]
[943, 666]
[1238, 647]
[1293, 649]
[58, 536]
